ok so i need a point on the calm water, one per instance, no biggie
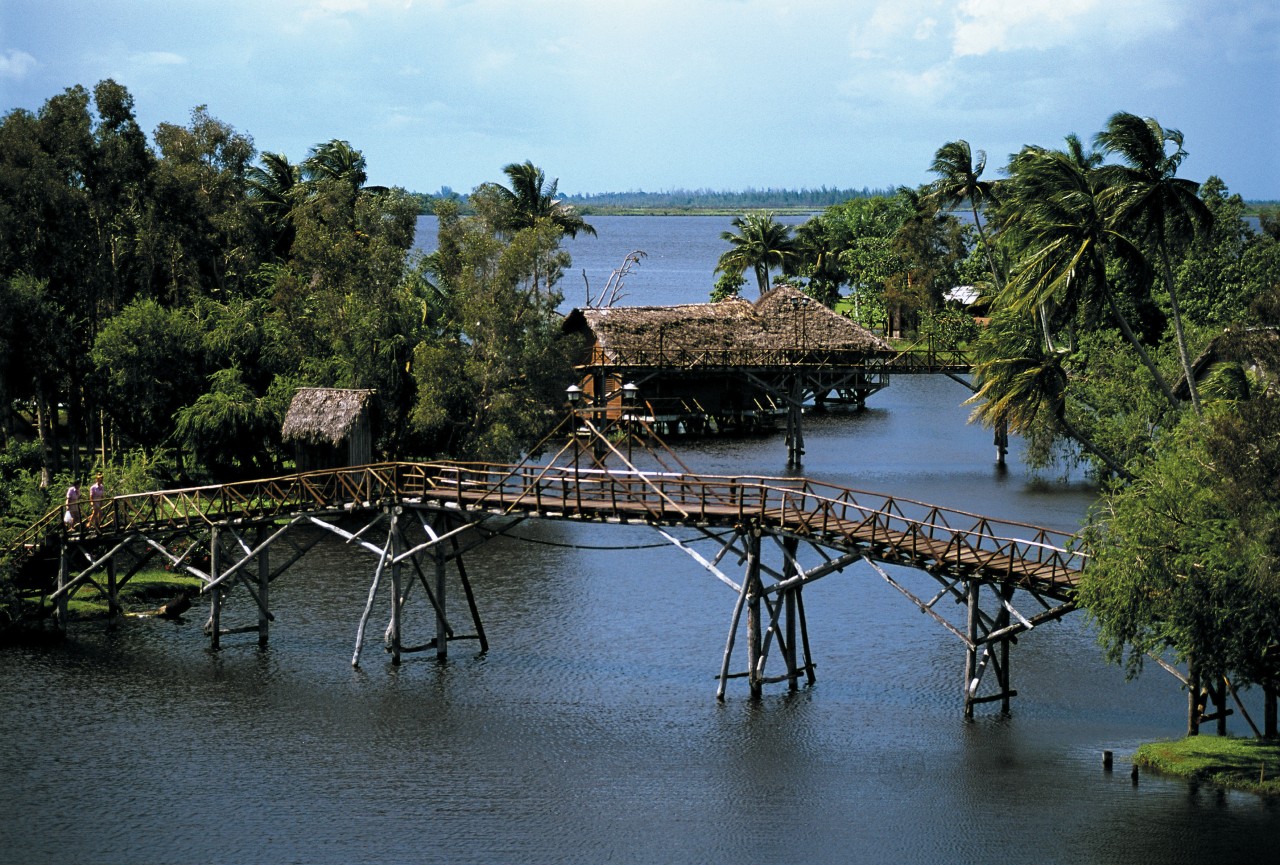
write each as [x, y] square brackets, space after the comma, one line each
[590, 732]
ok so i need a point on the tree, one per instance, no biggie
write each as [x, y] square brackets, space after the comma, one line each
[270, 189]
[1153, 203]
[529, 199]
[148, 365]
[759, 245]
[488, 382]
[1068, 237]
[960, 180]
[1183, 559]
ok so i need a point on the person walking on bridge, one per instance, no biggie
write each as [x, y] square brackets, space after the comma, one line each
[97, 493]
[72, 516]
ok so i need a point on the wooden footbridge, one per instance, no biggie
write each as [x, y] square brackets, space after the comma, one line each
[419, 519]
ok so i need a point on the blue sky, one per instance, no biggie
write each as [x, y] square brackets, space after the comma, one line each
[662, 94]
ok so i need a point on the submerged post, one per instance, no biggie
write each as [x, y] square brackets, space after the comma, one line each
[215, 597]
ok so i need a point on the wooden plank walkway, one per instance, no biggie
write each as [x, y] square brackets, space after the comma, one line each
[879, 527]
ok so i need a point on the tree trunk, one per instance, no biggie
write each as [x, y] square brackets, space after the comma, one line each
[1177, 329]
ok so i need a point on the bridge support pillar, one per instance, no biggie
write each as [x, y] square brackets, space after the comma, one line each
[971, 650]
[795, 430]
[214, 626]
[64, 577]
[754, 589]
[264, 587]
[397, 590]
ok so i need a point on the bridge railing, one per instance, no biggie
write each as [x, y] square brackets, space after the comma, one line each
[895, 528]
[903, 528]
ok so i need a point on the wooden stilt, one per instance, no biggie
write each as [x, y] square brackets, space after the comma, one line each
[971, 650]
[214, 627]
[804, 635]
[373, 593]
[733, 634]
[442, 623]
[1002, 668]
[113, 590]
[64, 578]
[397, 601]
[471, 598]
[754, 635]
[264, 588]
[791, 568]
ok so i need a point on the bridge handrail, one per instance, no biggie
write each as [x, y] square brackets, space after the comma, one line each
[807, 507]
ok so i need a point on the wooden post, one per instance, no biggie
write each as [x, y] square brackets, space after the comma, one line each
[971, 651]
[442, 622]
[215, 598]
[1002, 441]
[754, 589]
[1002, 674]
[64, 577]
[397, 590]
[113, 591]
[790, 547]
[795, 432]
[264, 588]
[471, 597]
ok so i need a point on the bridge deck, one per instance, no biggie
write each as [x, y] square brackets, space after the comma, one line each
[876, 526]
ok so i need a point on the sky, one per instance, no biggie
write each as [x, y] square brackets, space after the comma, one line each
[655, 95]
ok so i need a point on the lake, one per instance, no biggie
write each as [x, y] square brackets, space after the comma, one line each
[589, 732]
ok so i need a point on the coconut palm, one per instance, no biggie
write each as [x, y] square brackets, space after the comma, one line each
[270, 189]
[1151, 202]
[759, 245]
[531, 198]
[960, 180]
[1068, 236]
[1021, 385]
[336, 160]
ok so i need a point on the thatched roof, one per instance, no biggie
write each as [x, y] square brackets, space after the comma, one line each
[784, 318]
[321, 415]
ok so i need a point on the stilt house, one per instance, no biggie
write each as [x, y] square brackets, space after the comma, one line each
[329, 428]
[714, 364]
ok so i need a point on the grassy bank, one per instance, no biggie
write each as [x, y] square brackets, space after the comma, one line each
[145, 591]
[1240, 764]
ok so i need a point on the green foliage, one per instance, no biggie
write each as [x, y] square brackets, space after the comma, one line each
[728, 284]
[1185, 558]
[232, 431]
[148, 363]
[758, 245]
[488, 384]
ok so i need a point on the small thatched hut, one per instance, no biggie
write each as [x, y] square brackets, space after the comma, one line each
[329, 428]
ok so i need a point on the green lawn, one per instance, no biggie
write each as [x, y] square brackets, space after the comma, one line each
[145, 590]
[1241, 764]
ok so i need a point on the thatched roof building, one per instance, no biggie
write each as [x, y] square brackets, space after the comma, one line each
[784, 319]
[329, 427]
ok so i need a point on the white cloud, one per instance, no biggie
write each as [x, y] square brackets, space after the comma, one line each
[158, 58]
[992, 26]
[16, 64]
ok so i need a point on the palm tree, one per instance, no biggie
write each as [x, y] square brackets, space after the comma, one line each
[1021, 385]
[336, 160]
[531, 198]
[760, 245]
[270, 189]
[959, 180]
[1151, 202]
[1063, 222]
